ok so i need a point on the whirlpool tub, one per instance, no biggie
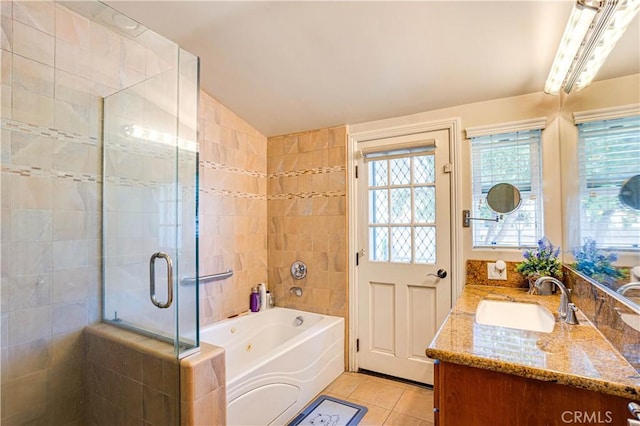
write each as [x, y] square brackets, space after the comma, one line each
[276, 361]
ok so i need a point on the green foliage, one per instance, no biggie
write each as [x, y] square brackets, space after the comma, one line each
[542, 260]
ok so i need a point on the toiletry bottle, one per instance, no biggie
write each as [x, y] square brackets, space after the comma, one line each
[270, 302]
[254, 300]
[262, 289]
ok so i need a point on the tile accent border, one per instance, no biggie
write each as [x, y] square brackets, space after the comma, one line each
[32, 171]
[291, 196]
[218, 166]
[315, 171]
[233, 194]
[32, 129]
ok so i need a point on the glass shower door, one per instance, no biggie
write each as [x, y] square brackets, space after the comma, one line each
[150, 204]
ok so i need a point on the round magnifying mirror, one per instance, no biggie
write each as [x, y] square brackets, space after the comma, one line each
[629, 194]
[503, 198]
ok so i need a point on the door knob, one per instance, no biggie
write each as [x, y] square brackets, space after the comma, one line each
[440, 274]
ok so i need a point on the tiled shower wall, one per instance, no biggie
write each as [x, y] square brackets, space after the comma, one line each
[56, 65]
[233, 209]
[307, 219]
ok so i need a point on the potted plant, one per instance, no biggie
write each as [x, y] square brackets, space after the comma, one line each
[541, 261]
[596, 263]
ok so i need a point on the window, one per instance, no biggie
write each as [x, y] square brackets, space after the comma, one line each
[608, 155]
[402, 209]
[514, 158]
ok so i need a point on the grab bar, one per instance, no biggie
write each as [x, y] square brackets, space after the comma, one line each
[207, 278]
[152, 280]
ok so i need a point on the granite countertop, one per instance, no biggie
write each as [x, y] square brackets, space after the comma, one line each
[575, 355]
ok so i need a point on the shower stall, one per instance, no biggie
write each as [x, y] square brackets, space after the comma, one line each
[150, 187]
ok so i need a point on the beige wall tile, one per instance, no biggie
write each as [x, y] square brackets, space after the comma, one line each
[33, 76]
[6, 29]
[233, 162]
[32, 43]
[315, 219]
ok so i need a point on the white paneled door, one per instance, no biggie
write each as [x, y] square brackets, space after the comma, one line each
[404, 285]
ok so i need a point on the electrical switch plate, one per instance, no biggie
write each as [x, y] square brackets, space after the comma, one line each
[494, 273]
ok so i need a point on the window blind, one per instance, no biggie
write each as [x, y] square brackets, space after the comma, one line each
[608, 155]
[513, 158]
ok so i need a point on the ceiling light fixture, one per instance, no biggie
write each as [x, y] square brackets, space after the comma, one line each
[593, 29]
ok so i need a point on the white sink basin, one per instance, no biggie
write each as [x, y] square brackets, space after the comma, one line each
[518, 315]
[632, 320]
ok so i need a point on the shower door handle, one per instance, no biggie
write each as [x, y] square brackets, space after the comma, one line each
[152, 280]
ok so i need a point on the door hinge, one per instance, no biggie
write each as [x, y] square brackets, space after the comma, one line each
[357, 345]
[448, 168]
[357, 258]
[356, 172]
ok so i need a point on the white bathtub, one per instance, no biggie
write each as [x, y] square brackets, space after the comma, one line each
[275, 367]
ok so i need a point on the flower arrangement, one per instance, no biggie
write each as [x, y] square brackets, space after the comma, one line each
[596, 263]
[542, 260]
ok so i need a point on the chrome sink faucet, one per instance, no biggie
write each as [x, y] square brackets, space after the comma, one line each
[631, 286]
[567, 310]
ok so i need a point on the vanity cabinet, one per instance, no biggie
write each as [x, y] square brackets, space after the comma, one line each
[472, 396]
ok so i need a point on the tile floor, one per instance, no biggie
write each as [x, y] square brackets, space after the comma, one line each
[389, 402]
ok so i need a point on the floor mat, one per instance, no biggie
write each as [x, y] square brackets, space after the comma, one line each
[329, 411]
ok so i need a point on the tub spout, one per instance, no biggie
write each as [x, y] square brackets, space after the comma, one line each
[296, 290]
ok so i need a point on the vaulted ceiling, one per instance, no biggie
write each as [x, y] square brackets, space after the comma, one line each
[297, 65]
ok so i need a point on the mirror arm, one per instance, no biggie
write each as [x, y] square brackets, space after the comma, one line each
[466, 218]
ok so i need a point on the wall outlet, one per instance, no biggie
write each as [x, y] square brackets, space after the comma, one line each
[493, 273]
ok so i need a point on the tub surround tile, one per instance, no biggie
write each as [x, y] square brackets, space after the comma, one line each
[202, 373]
[307, 219]
[233, 201]
[574, 355]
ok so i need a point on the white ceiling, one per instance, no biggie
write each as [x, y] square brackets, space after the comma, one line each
[300, 65]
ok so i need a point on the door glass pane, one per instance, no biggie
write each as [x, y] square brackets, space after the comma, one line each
[401, 205]
[425, 204]
[379, 243]
[424, 169]
[425, 242]
[401, 244]
[400, 171]
[378, 172]
[379, 206]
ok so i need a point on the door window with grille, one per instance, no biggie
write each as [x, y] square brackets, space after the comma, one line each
[402, 209]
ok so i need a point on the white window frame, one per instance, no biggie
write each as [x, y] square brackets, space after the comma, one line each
[531, 193]
[585, 190]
